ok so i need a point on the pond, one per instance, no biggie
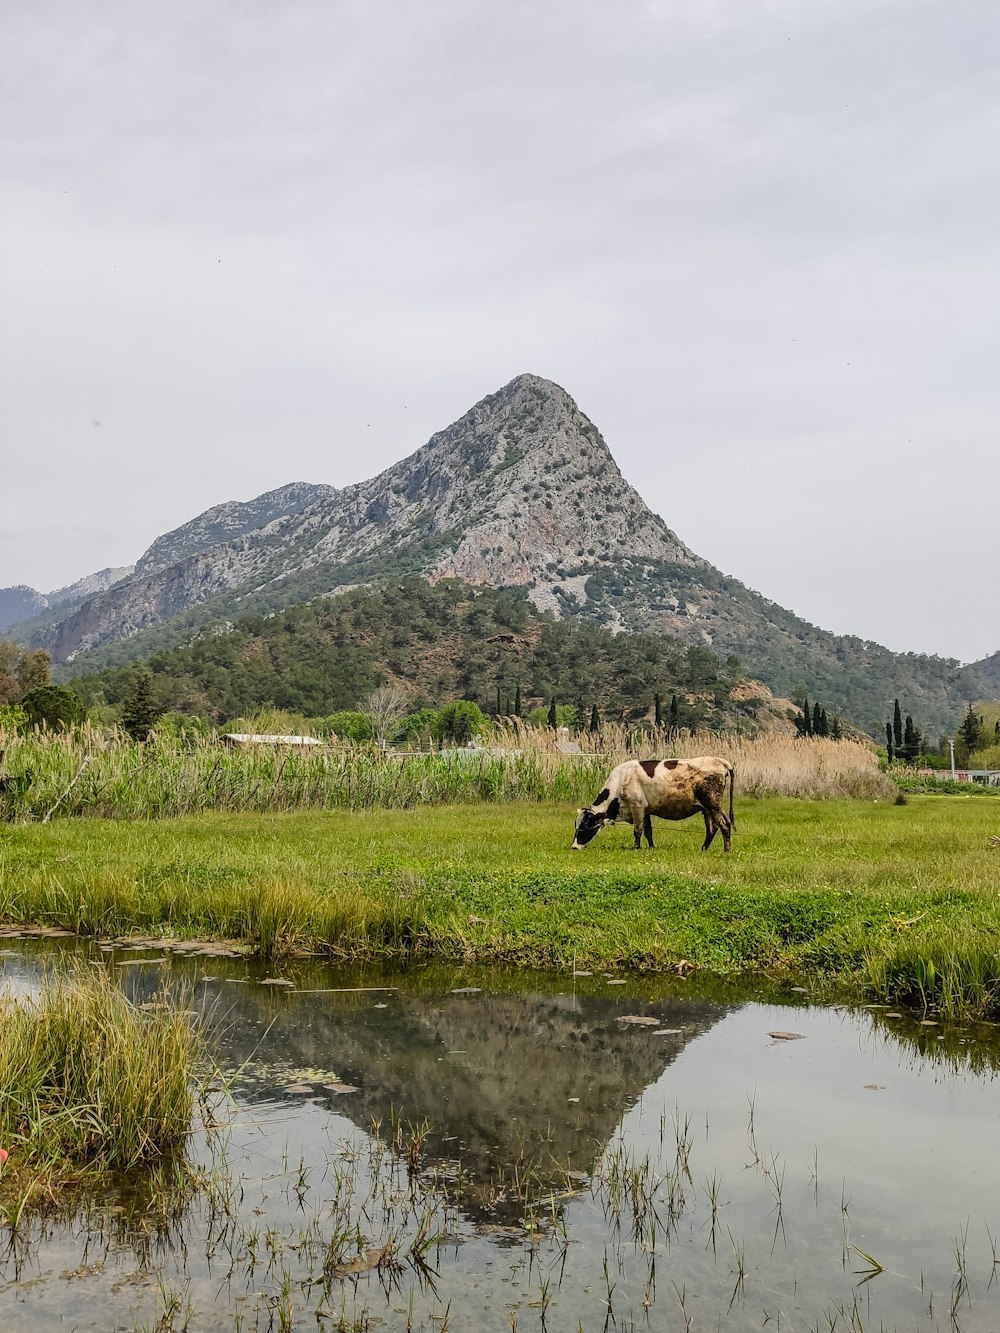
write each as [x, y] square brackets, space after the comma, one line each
[442, 1149]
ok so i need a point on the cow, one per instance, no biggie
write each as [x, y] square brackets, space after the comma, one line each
[670, 788]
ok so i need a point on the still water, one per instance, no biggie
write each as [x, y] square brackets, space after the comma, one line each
[447, 1150]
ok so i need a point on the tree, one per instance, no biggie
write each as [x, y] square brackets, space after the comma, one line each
[817, 720]
[911, 742]
[897, 726]
[139, 710]
[836, 730]
[460, 721]
[21, 670]
[824, 723]
[517, 701]
[658, 712]
[889, 741]
[675, 713]
[969, 736]
[553, 715]
[52, 706]
[423, 725]
[595, 719]
[803, 722]
[385, 708]
[348, 725]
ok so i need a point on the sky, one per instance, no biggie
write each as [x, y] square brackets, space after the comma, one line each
[243, 244]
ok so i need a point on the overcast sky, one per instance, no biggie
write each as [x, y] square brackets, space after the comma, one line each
[248, 243]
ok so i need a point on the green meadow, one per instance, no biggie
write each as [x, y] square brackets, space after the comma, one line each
[859, 899]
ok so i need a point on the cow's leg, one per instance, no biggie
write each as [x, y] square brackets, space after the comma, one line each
[727, 829]
[710, 829]
[647, 828]
[640, 818]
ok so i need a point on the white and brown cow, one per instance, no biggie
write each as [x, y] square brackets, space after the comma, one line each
[670, 788]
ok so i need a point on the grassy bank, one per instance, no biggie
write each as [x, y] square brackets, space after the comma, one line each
[891, 902]
[91, 1086]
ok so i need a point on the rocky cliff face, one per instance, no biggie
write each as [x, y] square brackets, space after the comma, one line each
[223, 522]
[521, 491]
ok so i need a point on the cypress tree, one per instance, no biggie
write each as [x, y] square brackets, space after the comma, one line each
[675, 713]
[971, 729]
[139, 710]
[888, 740]
[595, 719]
[553, 715]
[824, 723]
[658, 716]
[897, 726]
[911, 741]
[817, 720]
[836, 732]
[517, 701]
[498, 701]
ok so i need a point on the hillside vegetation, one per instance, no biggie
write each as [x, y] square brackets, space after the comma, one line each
[444, 642]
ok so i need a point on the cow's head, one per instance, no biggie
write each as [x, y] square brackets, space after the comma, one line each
[590, 821]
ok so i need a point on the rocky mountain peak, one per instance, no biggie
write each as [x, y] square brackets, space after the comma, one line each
[520, 491]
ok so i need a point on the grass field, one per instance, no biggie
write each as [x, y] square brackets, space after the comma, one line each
[869, 899]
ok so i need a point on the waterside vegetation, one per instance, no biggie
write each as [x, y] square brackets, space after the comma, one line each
[93, 1085]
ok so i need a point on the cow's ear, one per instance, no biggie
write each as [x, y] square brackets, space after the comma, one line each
[580, 812]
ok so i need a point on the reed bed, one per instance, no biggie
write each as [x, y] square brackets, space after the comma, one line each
[90, 1084]
[88, 774]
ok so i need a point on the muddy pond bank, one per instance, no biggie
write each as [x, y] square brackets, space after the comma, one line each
[480, 1150]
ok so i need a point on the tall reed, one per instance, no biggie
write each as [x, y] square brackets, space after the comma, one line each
[89, 774]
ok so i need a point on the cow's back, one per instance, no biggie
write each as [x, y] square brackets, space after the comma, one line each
[678, 788]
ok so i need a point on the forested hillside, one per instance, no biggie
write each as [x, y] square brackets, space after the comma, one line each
[441, 642]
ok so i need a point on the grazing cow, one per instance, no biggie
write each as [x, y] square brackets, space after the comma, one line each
[670, 788]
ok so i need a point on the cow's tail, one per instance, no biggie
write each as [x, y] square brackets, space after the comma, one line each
[732, 788]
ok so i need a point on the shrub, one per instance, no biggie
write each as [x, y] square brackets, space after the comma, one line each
[52, 706]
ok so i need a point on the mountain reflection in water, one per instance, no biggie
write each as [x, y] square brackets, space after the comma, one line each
[535, 1079]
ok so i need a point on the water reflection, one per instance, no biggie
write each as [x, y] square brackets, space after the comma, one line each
[540, 1162]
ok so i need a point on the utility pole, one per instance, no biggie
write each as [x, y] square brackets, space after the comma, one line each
[952, 745]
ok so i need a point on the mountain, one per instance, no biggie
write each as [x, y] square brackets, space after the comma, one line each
[223, 522]
[18, 603]
[27, 613]
[21, 603]
[521, 491]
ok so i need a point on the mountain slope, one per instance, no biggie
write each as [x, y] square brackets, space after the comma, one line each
[223, 522]
[439, 642]
[21, 604]
[41, 615]
[988, 672]
[520, 491]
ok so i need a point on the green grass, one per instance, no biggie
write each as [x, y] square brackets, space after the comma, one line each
[90, 1085]
[873, 899]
